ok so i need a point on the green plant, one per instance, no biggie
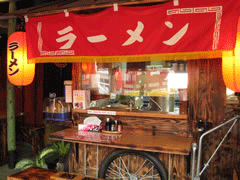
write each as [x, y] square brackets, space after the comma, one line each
[61, 147]
[39, 159]
[58, 150]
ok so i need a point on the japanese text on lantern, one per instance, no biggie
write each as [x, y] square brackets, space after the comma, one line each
[13, 62]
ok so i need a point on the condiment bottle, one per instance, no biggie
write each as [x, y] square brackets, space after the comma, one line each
[108, 125]
[119, 126]
[114, 126]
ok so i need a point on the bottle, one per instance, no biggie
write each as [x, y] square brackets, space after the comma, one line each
[108, 125]
[119, 126]
[114, 126]
[200, 126]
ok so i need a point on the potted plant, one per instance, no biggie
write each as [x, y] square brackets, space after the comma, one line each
[39, 161]
[49, 158]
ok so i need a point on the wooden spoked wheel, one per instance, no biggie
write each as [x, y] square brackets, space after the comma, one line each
[132, 165]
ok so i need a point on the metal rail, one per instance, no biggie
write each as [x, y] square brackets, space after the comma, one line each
[198, 172]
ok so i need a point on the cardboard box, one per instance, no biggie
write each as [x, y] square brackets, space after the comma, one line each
[81, 99]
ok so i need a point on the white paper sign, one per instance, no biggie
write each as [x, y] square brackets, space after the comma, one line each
[113, 113]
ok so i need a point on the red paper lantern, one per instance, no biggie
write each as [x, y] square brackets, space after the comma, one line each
[19, 72]
[231, 72]
[231, 66]
[88, 68]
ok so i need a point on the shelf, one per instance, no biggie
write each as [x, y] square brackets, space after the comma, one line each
[126, 112]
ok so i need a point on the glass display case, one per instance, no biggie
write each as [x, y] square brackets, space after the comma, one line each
[151, 86]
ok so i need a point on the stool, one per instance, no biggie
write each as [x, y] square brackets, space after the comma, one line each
[34, 135]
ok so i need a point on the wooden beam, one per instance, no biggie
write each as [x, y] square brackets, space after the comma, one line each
[77, 6]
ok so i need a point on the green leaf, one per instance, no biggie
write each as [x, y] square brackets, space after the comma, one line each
[37, 161]
[55, 145]
[61, 147]
[24, 162]
[27, 166]
[66, 149]
[43, 164]
[46, 151]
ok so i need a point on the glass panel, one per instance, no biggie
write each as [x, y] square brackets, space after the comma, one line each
[153, 85]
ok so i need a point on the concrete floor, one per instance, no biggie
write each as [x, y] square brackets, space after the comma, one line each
[5, 172]
[23, 150]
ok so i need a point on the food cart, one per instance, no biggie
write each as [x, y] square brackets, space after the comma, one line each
[163, 139]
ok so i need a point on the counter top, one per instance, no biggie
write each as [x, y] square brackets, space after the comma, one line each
[163, 143]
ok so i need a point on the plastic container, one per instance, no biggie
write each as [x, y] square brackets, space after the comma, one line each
[55, 109]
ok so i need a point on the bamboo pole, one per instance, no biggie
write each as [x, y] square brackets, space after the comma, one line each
[11, 134]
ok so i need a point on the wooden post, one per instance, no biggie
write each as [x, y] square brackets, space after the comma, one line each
[206, 96]
[76, 76]
[206, 91]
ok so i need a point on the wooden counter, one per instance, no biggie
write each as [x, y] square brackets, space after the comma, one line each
[161, 143]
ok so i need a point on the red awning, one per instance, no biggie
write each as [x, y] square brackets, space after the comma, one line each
[189, 30]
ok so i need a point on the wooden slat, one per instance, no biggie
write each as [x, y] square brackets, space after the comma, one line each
[177, 168]
[178, 127]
